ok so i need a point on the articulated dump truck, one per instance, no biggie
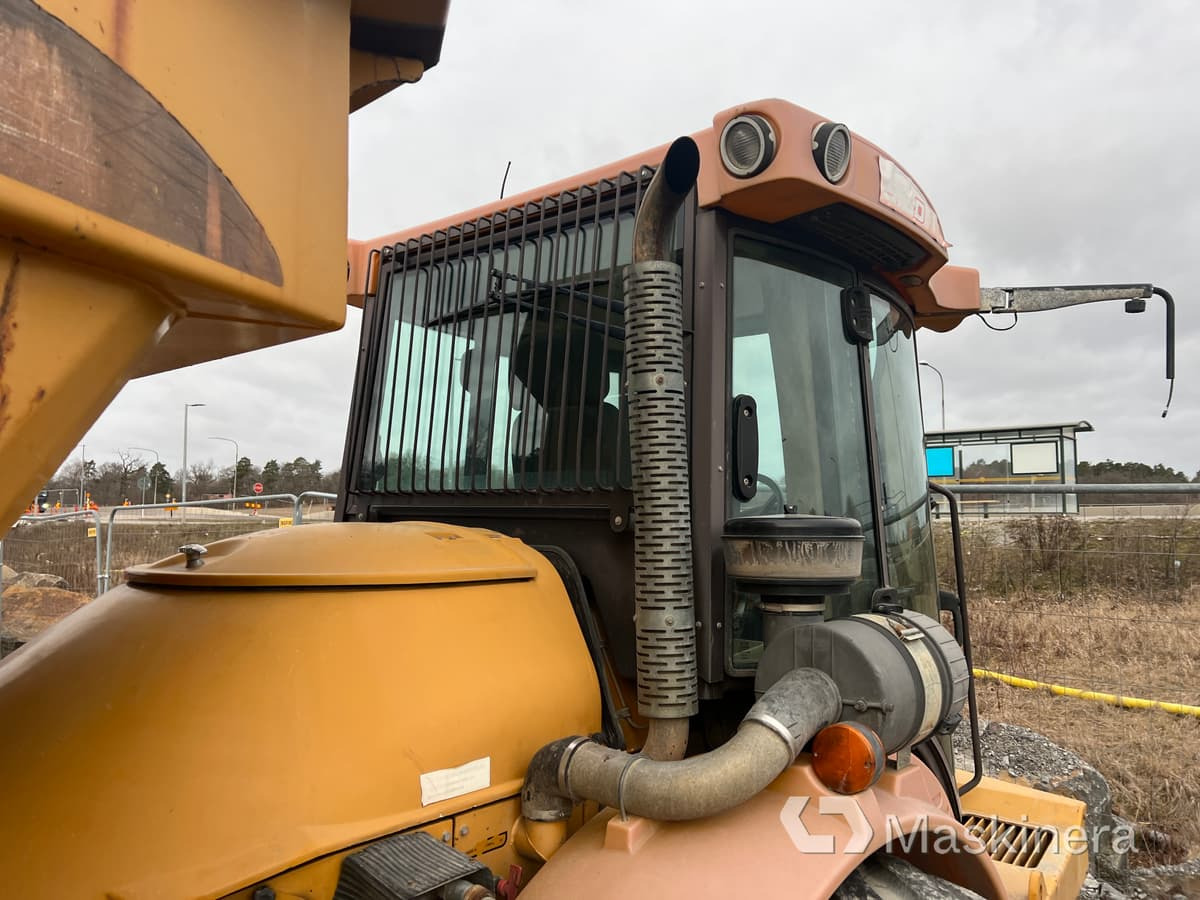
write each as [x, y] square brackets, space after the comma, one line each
[631, 591]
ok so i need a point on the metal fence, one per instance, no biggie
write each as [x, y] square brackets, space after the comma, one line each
[87, 552]
[1108, 606]
[63, 545]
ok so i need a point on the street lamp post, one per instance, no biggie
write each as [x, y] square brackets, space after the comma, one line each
[184, 479]
[942, 383]
[157, 463]
[82, 470]
[236, 457]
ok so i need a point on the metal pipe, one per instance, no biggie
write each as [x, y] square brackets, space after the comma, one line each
[960, 582]
[183, 480]
[673, 181]
[112, 516]
[298, 506]
[236, 458]
[773, 732]
[1177, 488]
[654, 384]
[654, 387]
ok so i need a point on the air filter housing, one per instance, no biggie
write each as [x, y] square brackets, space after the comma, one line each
[793, 555]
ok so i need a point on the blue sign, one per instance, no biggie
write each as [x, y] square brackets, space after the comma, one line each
[939, 461]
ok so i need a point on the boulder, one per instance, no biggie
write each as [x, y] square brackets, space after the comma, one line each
[7, 574]
[36, 579]
[28, 611]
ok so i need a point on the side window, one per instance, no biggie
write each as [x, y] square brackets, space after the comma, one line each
[501, 370]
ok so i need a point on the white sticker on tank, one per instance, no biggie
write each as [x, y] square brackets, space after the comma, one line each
[444, 784]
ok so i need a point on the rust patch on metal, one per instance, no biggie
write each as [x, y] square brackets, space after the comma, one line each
[8, 324]
[212, 213]
[73, 123]
[120, 23]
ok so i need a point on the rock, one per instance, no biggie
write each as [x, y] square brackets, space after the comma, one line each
[37, 580]
[1182, 880]
[28, 611]
[7, 574]
[1094, 889]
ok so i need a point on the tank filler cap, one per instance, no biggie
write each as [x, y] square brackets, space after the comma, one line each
[194, 554]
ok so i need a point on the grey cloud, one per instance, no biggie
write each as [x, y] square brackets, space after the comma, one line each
[1056, 140]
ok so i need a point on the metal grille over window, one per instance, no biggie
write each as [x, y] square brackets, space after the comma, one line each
[501, 351]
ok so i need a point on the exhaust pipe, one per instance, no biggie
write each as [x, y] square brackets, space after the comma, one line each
[658, 782]
[654, 389]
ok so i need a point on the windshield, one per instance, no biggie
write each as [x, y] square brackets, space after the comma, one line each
[789, 351]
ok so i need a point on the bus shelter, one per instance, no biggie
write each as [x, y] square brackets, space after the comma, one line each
[1027, 454]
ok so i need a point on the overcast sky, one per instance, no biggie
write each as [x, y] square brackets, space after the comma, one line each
[1057, 141]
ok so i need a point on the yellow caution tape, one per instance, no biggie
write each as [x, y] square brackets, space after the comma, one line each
[1180, 709]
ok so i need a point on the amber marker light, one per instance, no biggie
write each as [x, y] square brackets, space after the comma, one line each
[847, 757]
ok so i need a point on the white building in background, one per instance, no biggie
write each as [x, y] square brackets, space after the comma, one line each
[1025, 454]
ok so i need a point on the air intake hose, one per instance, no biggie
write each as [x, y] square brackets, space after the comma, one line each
[775, 730]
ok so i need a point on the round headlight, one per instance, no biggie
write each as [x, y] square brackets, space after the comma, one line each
[831, 150]
[747, 145]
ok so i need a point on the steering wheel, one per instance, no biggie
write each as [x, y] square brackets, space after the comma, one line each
[774, 504]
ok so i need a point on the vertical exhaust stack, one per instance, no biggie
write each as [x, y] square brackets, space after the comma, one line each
[658, 783]
[654, 388]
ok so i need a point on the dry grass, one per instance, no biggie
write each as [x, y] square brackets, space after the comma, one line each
[1100, 606]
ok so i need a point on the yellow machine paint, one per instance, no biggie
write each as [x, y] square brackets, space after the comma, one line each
[142, 184]
[1033, 862]
[334, 675]
[174, 175]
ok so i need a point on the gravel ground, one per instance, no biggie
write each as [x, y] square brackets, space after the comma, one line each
[1023, 754]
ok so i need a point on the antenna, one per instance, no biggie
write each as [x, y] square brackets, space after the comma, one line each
[505, 181]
